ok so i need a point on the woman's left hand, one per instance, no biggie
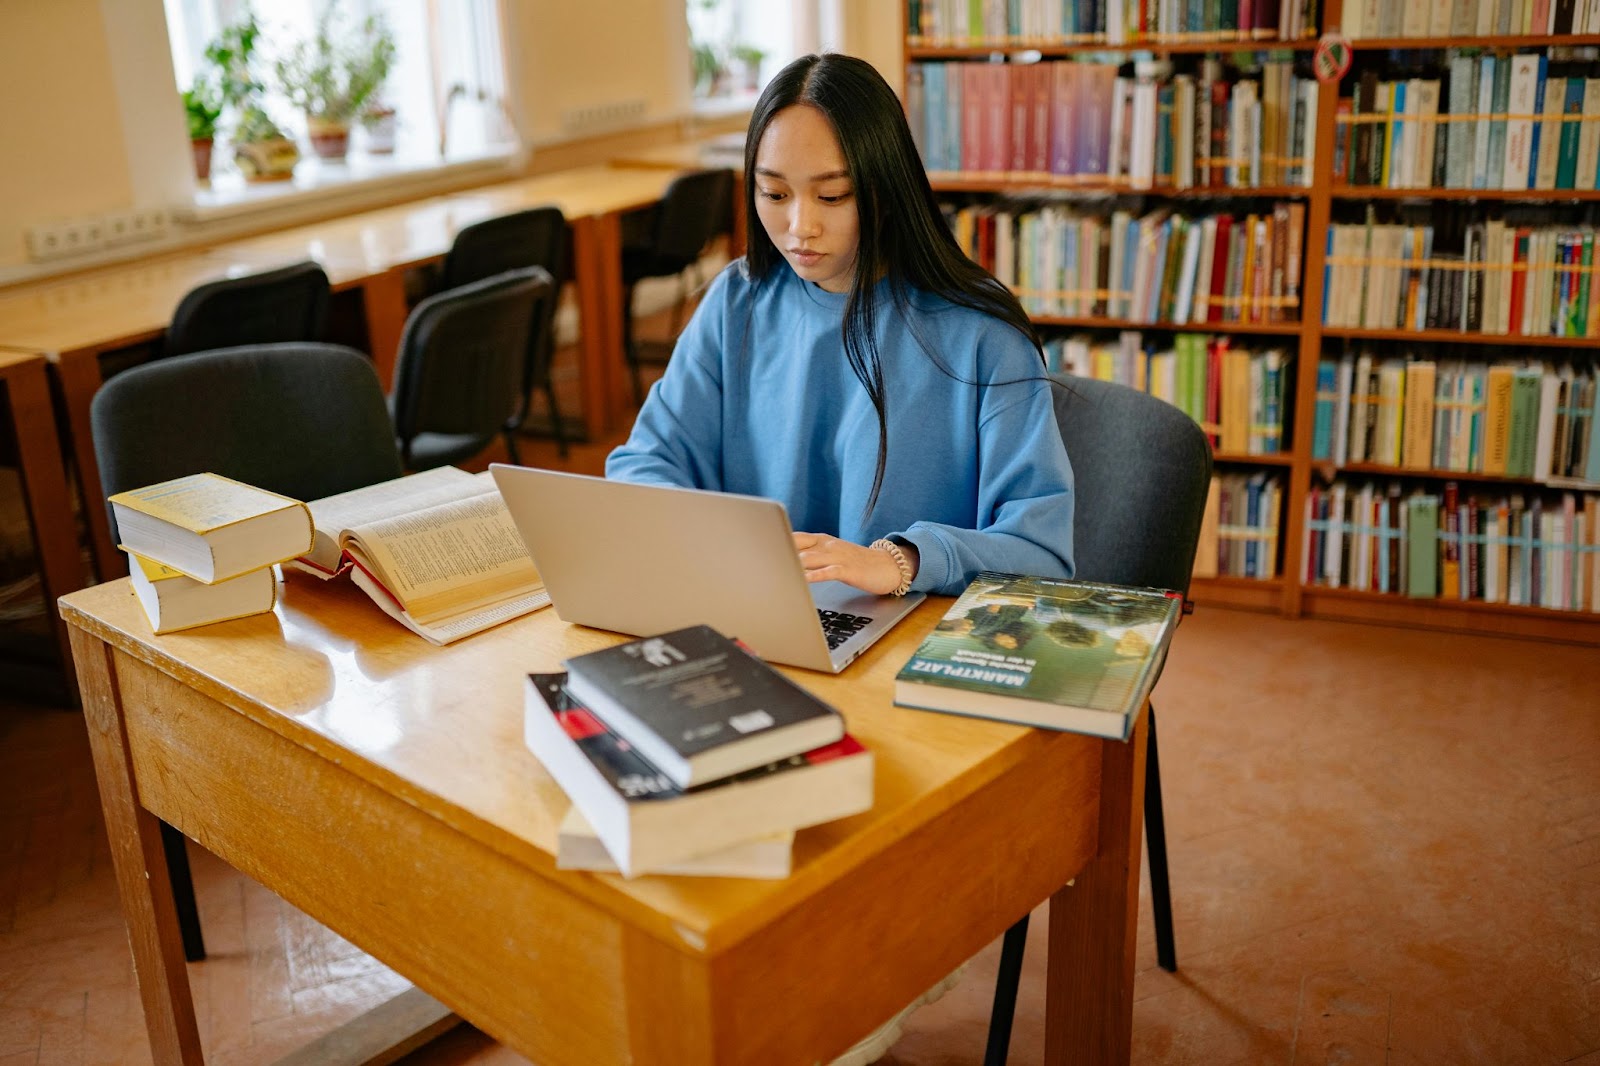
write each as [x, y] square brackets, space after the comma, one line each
[872, 570]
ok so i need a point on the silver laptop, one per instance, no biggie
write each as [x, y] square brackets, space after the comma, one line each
[643, 559]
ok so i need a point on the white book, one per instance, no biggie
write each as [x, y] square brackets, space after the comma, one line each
[1184, 303]
[1341, 410]
[1545, 437]
[1333, 560]
[1555, 103]
[1116, 164]
[1403, 168]
[770, 857]
[1355, 20]
[1480, 143]
[1439, 18]
[1360, 408]
[1487, 10]
[175, 602]
[1361, 557]
[1142, 143]
[1589, 135]
[1414, 17]
[1308, 150]
[1591, 22]
[1208, 249]
[1426, 93]
[1519, 120]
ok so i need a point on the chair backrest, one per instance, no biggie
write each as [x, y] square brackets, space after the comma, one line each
[536, 237]
[1141, 470]
[287, 304]
[306, 420]
[460, 367]
[692, 211]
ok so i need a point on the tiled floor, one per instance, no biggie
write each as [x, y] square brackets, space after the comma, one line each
[1385, 847]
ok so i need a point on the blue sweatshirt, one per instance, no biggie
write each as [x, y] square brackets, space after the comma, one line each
[759, 399]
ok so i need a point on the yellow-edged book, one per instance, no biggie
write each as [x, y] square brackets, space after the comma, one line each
[175, 602]
[211, 528]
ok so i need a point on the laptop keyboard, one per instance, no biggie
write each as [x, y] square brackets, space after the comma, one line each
[839, 626]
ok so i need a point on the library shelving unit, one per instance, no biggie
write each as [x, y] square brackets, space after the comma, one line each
[1288, 592]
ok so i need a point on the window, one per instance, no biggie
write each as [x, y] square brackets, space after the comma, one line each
[736, 45]
[446, 84]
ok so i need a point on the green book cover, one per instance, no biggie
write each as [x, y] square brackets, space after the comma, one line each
[1422, 553]
[1525, 385]
[1060, 654]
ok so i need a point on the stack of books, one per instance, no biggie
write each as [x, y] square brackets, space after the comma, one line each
[202, 548]
[686, 754]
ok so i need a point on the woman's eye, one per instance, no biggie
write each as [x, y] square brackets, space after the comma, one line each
[770, 195]
[837, 198]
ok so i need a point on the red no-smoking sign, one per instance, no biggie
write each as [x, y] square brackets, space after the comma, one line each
[1331, 60]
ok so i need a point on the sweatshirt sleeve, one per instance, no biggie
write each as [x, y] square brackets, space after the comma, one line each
[677, 438]
[1025, 500]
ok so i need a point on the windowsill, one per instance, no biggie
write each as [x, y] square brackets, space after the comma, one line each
[725, 106]
[317, 180]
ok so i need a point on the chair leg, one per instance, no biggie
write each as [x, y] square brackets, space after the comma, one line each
[176, 847]
[510, 435]
[629, 347]
[555, 419]
[1005, 993]
[1155, 833]
[683, 301]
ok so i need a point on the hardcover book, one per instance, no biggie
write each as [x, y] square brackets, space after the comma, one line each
[699, 706]
[438, 551]
[770, 857]
[1059, 654]
[176, 602]
[209, 527]
[647, 822]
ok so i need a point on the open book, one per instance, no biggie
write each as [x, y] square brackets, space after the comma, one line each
[438, 551]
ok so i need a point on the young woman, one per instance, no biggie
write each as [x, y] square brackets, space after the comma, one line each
[857, 366]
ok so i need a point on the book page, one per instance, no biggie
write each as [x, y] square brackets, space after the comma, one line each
[447, 559]
[333, 516]
[456, 626]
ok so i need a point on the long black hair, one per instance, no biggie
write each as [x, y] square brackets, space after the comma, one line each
[904, 238]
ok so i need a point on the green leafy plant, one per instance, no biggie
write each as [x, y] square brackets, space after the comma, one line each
[747, 53]
[255, 125]
[202, 106]
[233, 55]
[335, 73]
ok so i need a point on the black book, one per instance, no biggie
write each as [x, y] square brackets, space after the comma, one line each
[699, 706]
[646, 823]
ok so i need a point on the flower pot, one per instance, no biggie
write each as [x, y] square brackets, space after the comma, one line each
[202, 158]
[330, 139]
[379, 129]
[271, 160]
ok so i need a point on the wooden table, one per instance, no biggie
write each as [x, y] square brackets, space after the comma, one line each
[44, 479]
[382, 786]
[74, 320]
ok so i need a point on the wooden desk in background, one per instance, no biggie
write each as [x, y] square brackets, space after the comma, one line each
[381, 785]
[44, 480]
[73, 321]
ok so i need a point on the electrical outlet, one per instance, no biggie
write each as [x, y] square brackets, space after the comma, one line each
[57, 240]
[139, 224]
[601, 117]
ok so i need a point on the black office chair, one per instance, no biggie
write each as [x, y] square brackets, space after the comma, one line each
[306, 420]
[459, 374]
[694, 209]
[536, 237]
[1141, 469]
[287, 304]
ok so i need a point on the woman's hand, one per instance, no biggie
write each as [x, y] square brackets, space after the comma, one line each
[872, 570]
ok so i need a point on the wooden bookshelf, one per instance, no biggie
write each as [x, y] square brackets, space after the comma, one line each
[1456, 336]
[944, 181]
[1271, 329]
[1063, 51]
[1288, 593]
[1384, 44]
[1379, 192]
[1275, 459]
[1384, 470]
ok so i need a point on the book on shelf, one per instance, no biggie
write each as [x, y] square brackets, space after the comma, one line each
[1059, 654]
[649, 823]
[210, 528]
[1045, 23]
[174, 601]
[1470, 18]
[437, 551]
[1539, 549]
[700, 706]
[770, 857]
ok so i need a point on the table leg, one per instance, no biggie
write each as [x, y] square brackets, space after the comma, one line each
[45, 491]
[79, 374]
[383, 299]
[139, 862]
[1094, 923]
[597, 269]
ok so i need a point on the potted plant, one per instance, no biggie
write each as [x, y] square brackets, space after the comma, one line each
[706, 68]
[261, 150]
[202, 105]
[749, 58]
[332, 77]
[378, 122]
